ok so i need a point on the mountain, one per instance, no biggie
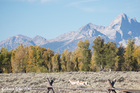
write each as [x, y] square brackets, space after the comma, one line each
[13, 42]
[38, 40]
[122, 28]
[119, 30]
[69, 40]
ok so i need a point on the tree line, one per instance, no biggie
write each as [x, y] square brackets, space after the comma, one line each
[105, 56]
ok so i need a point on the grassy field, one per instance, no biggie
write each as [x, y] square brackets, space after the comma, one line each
[129, 80]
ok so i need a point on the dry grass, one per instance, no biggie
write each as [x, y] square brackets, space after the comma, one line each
[129, 80]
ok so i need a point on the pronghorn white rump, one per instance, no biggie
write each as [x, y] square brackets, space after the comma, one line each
[73, 82]
[83, 83]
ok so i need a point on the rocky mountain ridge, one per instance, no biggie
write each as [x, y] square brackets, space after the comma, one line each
[119, 30]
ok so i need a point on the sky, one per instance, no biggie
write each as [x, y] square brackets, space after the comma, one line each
[51, 18]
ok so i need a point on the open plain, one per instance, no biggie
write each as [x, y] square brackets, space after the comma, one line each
[24, 81]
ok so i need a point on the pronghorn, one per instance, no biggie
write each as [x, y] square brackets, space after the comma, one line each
[83, 83]
[73, 82]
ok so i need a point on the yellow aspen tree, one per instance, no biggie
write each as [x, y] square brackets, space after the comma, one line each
[31, 60]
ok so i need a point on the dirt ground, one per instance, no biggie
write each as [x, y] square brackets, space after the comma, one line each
[24, 81]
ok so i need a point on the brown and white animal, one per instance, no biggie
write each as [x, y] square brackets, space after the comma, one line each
[73, 82]
[81, 83]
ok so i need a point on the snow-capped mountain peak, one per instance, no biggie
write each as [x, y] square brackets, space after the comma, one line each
[119, 20]
[119, 30]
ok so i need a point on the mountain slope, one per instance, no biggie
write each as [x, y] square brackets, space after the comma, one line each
[38, 40]
[124, 26]
[13, 42]
[69, 40]
[119, 30]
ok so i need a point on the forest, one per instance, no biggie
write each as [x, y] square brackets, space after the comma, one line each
[105, 57]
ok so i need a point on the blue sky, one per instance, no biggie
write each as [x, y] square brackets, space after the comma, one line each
[51, 18]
